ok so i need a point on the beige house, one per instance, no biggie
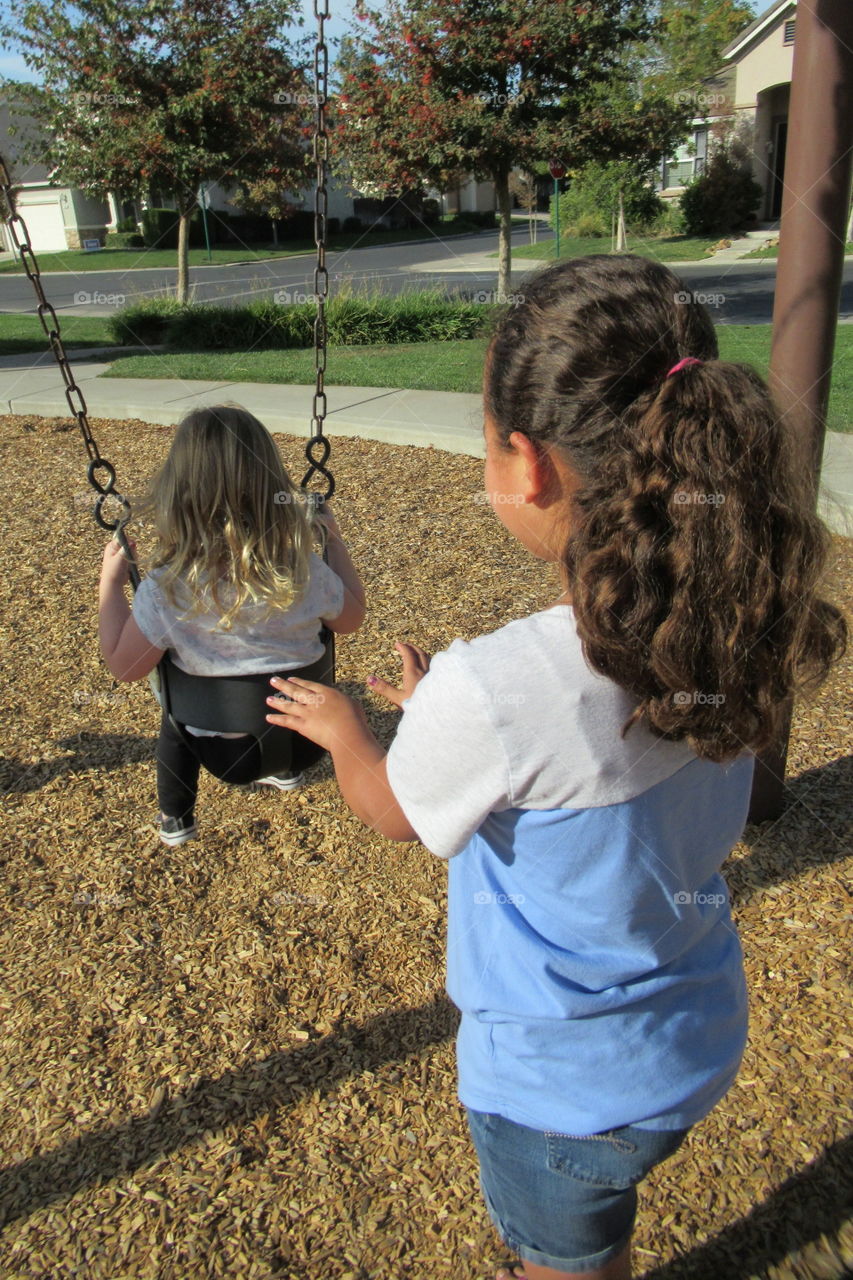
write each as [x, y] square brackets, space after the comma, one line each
[760, 63]
[752, 91]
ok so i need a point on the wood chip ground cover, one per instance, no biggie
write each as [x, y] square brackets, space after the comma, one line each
[235, 1058]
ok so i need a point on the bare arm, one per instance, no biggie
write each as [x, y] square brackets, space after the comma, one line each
[352, 615]
[125, 650]
[337, 723]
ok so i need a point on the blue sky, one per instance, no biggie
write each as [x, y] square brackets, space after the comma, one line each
[12, 66]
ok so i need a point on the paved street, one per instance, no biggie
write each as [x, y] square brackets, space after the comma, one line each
[735, 291]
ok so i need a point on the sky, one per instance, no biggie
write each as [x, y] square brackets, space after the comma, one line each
[12, 66]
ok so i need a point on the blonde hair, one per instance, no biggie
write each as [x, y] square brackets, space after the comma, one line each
[231, 527]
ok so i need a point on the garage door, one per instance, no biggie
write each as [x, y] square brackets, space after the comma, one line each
[44, 223]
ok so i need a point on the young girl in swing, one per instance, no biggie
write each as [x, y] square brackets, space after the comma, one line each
[235, 588]
[591, 948]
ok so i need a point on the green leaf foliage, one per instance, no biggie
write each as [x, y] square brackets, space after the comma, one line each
[434, 88]
[141, 94]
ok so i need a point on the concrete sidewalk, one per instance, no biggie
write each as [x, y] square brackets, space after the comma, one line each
[440, 419]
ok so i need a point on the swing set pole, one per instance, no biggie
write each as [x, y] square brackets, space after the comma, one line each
[815, 207]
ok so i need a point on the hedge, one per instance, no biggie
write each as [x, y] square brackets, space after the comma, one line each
[427, 316]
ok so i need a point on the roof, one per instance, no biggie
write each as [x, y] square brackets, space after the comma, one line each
[757, 27]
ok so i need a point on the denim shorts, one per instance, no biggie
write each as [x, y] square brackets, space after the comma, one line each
[563, 1202]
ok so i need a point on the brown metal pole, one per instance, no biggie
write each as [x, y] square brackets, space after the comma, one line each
[815, 205]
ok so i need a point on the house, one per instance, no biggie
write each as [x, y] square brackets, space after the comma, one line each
[762, 58]
[751, 93]
[57, 216]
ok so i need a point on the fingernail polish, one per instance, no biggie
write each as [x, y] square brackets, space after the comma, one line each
[372, 680]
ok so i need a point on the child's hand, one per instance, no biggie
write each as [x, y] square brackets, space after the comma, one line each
[415, 666]
[326, 517]
[115, 566]
[326, 716]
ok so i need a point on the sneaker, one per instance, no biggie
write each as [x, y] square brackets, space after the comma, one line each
[175, 831]
[282, 781]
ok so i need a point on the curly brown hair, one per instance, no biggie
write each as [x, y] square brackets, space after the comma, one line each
[694, 551]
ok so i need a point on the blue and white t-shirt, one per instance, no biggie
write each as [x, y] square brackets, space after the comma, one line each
[591, 948]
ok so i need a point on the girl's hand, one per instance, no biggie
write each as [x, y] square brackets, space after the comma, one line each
[326, 517]
[415, 666]
[326, 716]
[115, 567]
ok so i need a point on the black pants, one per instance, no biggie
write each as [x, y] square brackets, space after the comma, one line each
[235, 760]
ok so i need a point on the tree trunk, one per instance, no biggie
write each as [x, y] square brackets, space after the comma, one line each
[504, 235]
[182, 290]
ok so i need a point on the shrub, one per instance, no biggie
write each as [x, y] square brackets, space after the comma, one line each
[724, 198]
[589, 224]
[594, 192]
[146, 322]
[352, 223]
[160, 229]
[669, 222]
[127, 224]
[333, 226]
[431, 211]
[352, 320]
[124, 240]
[483, 218]
[298, 225]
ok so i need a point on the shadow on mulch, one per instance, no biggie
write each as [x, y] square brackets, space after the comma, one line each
[800, 838]
[211, 1105]
[812, 1203]
[91, 751]
[115, 750]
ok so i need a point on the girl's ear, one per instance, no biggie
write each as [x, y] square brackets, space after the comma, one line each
[540, 479]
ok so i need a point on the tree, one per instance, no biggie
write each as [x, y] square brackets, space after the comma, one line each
[433, 87]
[693, 34]
[142, 94]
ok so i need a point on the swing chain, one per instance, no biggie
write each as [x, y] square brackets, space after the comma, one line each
[318, 448]
[76, 403]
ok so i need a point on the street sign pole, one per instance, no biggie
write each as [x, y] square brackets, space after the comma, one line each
[558, 171]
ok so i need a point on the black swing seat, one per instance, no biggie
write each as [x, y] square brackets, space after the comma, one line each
[237, 704]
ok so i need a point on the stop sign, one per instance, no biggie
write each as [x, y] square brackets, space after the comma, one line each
[558, 170]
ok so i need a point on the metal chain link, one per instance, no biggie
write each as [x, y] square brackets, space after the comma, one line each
[318, 448]
[76, 402]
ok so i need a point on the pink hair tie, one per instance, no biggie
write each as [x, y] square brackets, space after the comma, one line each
[682, 364]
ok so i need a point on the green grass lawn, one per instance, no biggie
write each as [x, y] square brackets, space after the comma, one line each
[443, 366]
[665, 249]
[134, 259]
[425, 366]
[774, 252]
[20, 334]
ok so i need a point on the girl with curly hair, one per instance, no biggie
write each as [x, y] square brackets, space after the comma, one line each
[587, 769]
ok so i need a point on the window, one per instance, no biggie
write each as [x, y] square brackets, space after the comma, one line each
[789, 31]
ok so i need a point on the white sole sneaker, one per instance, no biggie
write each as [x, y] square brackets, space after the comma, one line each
[173, 832]
[281, 784]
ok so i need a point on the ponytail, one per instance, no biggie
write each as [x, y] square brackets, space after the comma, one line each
[695, 552]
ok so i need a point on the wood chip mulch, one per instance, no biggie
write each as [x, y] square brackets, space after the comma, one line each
[235, 1058]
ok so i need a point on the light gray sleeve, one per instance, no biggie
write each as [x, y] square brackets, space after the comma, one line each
[327, 589]
[446, 765]
[150, 615]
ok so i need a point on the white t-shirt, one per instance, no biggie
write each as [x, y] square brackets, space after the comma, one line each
[590, 944]
[258, 641]
[517, 720]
